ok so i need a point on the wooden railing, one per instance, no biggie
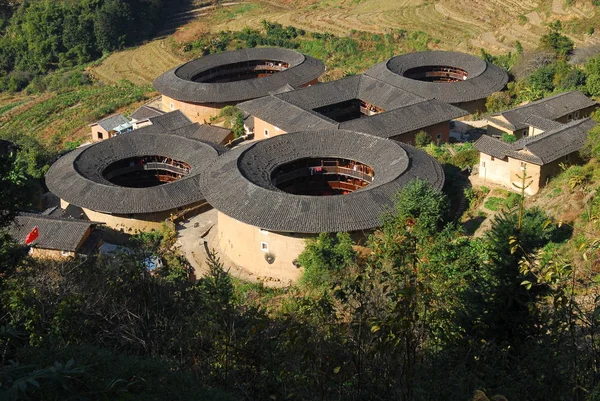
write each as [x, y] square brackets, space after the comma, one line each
[227, 73]
[324, 170]
[148, 166]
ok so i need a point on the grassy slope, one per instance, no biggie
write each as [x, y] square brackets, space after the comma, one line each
[55, 119]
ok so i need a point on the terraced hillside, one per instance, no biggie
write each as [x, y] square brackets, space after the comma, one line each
[465, 25]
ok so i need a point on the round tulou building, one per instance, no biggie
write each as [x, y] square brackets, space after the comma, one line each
[456, 78]
[133, 182]
[273, 194]
[202, 87]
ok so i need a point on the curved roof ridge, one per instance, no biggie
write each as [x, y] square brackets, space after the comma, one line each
[178, 83]
[77, 177]
[483, 78]
[239, 183]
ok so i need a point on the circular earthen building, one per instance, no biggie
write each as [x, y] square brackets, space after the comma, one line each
[133, 182]
[457, 78]
[275, 193]
[202, 87]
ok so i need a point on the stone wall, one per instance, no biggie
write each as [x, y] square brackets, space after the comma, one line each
[505, 172]
[265, 130]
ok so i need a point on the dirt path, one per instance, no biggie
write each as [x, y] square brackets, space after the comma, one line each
[190, 241]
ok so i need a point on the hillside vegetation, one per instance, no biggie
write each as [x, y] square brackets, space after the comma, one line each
[41, 35]
[460, 25]
[451, 25]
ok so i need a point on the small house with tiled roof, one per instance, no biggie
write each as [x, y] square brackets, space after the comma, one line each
[141, 117]
[58, 237]
[539, 156]
[535, 117]
[109, 127]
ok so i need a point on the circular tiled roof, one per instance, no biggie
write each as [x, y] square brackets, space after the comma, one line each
[483, 78]
[77, 176]
[239, 182]
[178, 83]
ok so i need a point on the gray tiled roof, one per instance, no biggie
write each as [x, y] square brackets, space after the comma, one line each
[112, 122]
[550, 108]
[543, 148]
[405, 119]
[405, 112]
[170, 121]
[77, 176]
[211, 133]
[483, 78]
[177, 83]
[239, 184]
[284, 115]
[542, 123]
[362, 87]
[54, 233]
[145, 112]
[193, 131]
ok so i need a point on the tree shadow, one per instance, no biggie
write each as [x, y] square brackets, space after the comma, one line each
[562, 233]
[471, 225]
[456, 183]
[183, 12]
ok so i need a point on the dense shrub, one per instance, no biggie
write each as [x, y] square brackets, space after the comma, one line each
[422, 138]
[43, 35]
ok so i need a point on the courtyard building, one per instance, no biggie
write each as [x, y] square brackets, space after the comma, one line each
[459, 79]
[274, 194]
[357, 103]
[202, 87]
[135, 182]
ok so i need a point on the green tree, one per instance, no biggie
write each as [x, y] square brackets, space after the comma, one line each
[572, 80]
[508, 138]
[422, 139]
[592, 85]
[498, 101]
[556, 41]
[111, 25]
[324, 257]
[511, 314]
[420, 205]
